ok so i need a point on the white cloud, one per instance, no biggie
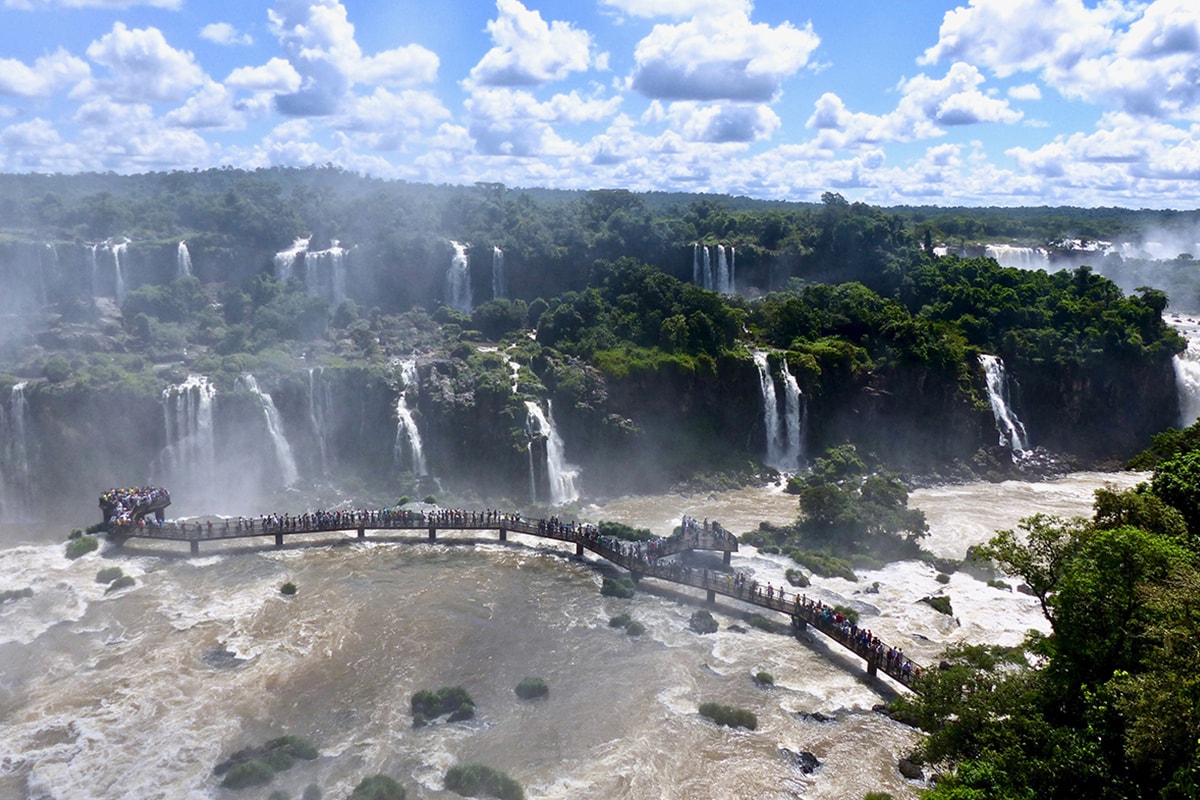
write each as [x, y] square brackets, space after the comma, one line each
[319, 42]
[724, 57]
[224, 33]
[724, 122]
[36, 133]
[143, 67]
[403, 66]
[528, 51]
[386, 111]
[680, 9]
[1027, 91]
[277, 75]
[48, 74]
[212, 107]
[102, 112]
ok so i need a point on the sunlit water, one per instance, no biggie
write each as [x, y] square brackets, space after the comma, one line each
[140, 693]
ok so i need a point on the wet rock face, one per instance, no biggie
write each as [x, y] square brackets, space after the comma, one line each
[910, 770]
[703, 622]
[804, 761]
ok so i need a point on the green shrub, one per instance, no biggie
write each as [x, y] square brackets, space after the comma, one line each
[634, 628]
[617, 587]
[760, 622]
[403, 501]
[619, 530]
[619, 621]
[452, 700]
[823, 564]
[764, 679]
[377, 787]
[75, 534]
[996, 583]
[796, 578]
[529, 688]
[288, 588]
[122, 582]
[431, 499]
[848, 613]
[81, 546]
[472, 780]
[729, 716]
[244, 774]
[940, 604]
[943, 578]
[108, 574]
[878, 796]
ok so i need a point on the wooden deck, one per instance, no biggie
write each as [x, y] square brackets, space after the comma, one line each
[636, 557]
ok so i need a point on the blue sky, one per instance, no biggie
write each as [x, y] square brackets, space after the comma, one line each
[983, 102]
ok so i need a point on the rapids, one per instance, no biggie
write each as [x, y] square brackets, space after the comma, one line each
[141, 692]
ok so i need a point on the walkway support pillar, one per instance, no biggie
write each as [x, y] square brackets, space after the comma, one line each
[195, 547]
[872, 668]
[728, 557]
[503, 535]
[432, 534]
[579, 549]
[362, 532]
[712, 596]
[279, 540]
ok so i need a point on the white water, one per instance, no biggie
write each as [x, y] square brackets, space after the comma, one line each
[1030, 258]
[795, 421]
[325, 273]
[189, 461]
[320, 409]
[407, 432]
[499, 278]
[1187, 369]
[458, 280]
[16, 487]
[1008, 424]
[94, 269]
[714, 270]
[118, 250]
[561, 476]
[183, 260]
[285, 260]
[279, 443]
[784, 429]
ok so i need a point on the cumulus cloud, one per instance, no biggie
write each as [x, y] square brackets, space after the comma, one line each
[723, 123]
[35, 133]
[212, 107]
[224, 33]
[48, 74]
[680, 9]
[721, 57]
[402, 66]
[528, 51]
[1027, 91]
[513, 122]
[143, 67]
[277, 75]
[1143, 58]
[387, 111]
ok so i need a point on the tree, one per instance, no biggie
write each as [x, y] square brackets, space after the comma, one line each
[1177, 482]
[1039, 557]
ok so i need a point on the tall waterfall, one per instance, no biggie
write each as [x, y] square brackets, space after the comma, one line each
[189, 461]
[499, 279]
[320, 409]
[458, 280]
[285, 260]
[283, 451]
[785, 428]
[325, 273]
[183, 260]
[16, 475]
[1011, 430]
[1187, 371]
[118, 250]
[560, 475]
[94, 269]
[407, 433]
[714, 269]
[1019, 257]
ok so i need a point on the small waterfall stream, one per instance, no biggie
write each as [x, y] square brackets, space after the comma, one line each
[499, 279]
[407, 434]
[1187, 370]
[1008, 424]
[458, 280]
[714, 269]
[118, 250]
[560, 475]
[285, 260]
[283, 450]
[183, 260]
[785, 428]
[189, 460]
[16, 475]
[320, 410]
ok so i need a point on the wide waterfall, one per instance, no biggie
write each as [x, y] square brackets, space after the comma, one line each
[325, 273]
[1011, 430]
[16, 484]
[714, 270]
[118, 250]
[458, 280]
[189, 461]
[499, 279]
[285, 260]
[320, 411]
[560, 475]
[1187, 371]
[1019, 257]
[283, 451]
[183, 260]
[784, 428]
[407, 434]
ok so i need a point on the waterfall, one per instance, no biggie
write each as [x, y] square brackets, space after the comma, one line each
[118, 250]
[283, 450]
[713, 269]
[1028, 258]
[1012, 431]
[317, 277]
[560, 475]
[94, 267]
[406, 427]
[285, 261]
[499, 279]
[183, 260]
[16, 484]
[320, 404]
[724, 282]
[1187, 372]
[784, 429]
[189, 461]
[51, 269]
[458, 280]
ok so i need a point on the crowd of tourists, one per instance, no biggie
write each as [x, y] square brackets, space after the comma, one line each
[126, 506]
[860, 640]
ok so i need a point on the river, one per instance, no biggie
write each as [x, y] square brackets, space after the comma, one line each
[140, 693]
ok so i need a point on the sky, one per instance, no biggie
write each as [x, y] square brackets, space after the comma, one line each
[920, 102]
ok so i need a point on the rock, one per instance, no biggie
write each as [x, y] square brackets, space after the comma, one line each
[815, 716]
[910, 770]
[805, 761]
[737, 629]
[703, 622]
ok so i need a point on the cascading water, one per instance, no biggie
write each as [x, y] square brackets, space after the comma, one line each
[283, 451]
[16, 485]
[118, 250]
[189, 461]
[94, 269]
[560, 475]
[724, 276]
[458, 280]
[1187, 371]
[499, 279]
[1011, 429]
[407, 434]
[784, 430]
[320, 406]
[1028, 258]
[183, 260]
[318, 277]
[713, 269]
[285, 260]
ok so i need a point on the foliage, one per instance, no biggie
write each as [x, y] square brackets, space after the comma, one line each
[1177, 482]
[634, 628]
[244, 774]
[729, 715]
[452, 700]
[288, 588]
[619, 621]
[940, 604]
[796, 578]
[473, 780]
[378, 787]
[108, 574]
[846, 611]
[620, 530]
[823, 564]
[123, 582]
[530, 688]
[617, 587]
[764, 679]
[81, 546]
